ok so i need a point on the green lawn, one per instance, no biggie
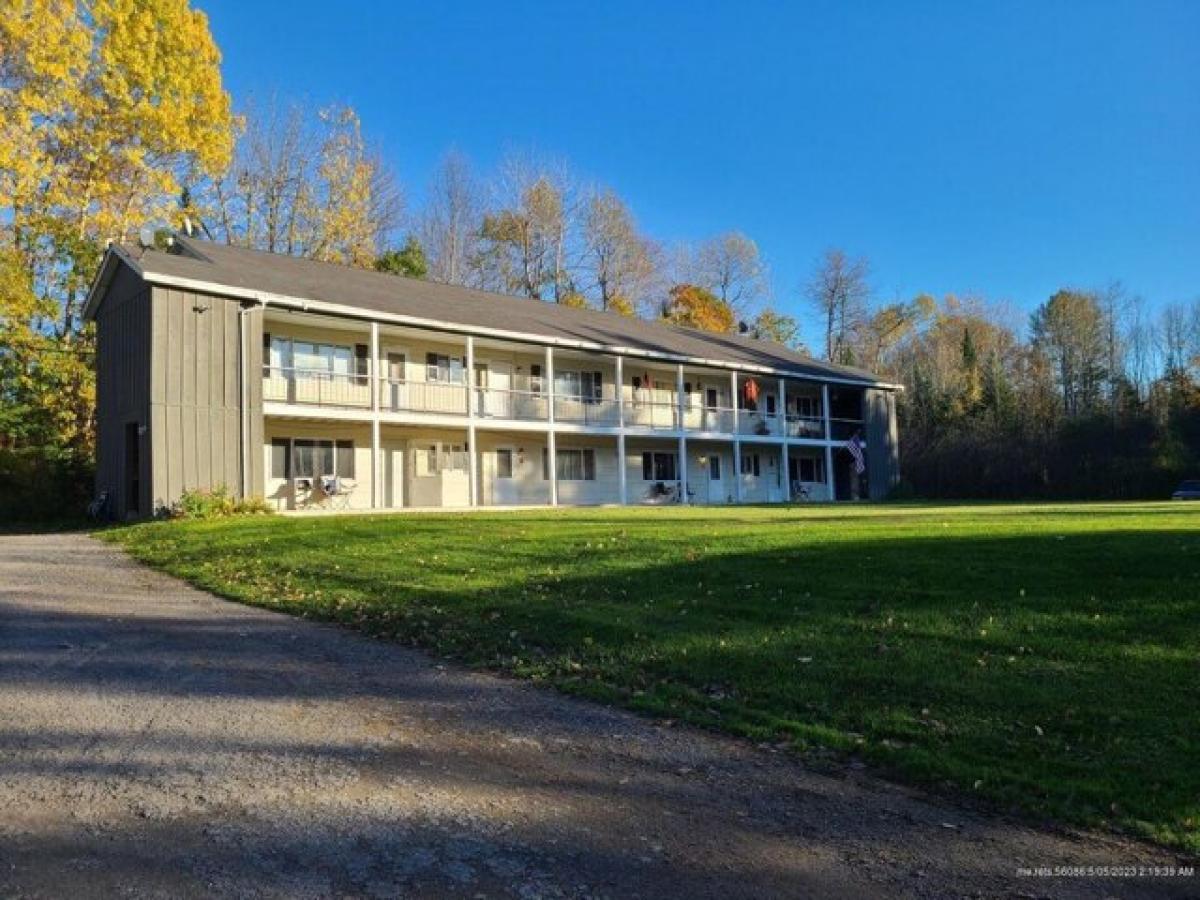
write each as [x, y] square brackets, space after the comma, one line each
[1038, 657]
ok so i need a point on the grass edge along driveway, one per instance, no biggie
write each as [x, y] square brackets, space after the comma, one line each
[1040, 658]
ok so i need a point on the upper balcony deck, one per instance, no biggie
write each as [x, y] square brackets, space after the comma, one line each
[637, 409]
[434, 378]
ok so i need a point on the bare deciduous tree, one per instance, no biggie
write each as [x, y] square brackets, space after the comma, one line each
[1070, 330]
[1179, 336]
[305, 185]
[621, 262]
[1139, 340]
[450, 222]
[731, 267]
[839, 291]
[525, 246]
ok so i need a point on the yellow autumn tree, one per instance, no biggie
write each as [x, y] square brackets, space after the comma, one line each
[109, 109]
[574, 300]
[620, 304]
[302, 182]
[346, 209]
[695, 307]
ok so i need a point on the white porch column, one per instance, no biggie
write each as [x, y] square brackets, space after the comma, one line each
[373, 375]
[737, 470]
[472, 449]
[622, 475]
[733, 398]
[620, 392]
[551, 443]
[785, 475]
[376, 467]
[781, 407]
[829, 484]
[679, 423]
[683, 470]
[737, 443]
[373, 366]
[622, 465]
[679, 410]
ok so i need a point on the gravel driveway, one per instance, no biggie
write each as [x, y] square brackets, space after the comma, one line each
[158, 742]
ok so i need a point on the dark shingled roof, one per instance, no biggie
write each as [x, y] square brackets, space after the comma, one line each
[370, 291]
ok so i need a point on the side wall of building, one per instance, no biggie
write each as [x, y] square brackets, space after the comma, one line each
[196, 394]
[883, 445]
[123, 352]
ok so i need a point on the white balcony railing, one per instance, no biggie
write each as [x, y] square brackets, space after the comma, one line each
[760, 423]
[652, 414]
[806, 427]
[316, 387]
[397, 395]
[578, 410]
[323, 388]
[717, 419]
[499, 403]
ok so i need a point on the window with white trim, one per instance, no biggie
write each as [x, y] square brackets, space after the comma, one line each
[658, 466]
[314, 458]
[444, 369]
[807, 407]
[584, 386]
[436, 457]
[315, 358]
[281, 458]
[310, 357]
[279, 355]
[572, 464]
[504, 462]
[751, 465]
[812, 468]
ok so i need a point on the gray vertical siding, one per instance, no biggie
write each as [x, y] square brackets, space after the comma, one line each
[123, 354]
[883, 449]
[195, 394]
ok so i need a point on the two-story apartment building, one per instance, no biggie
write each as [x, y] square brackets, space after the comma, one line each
[316, 385]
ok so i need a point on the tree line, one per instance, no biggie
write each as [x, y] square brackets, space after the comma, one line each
[114, 115]
[1091, 396]
[305, 183]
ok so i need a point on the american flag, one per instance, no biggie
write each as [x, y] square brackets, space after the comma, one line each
[854, 445]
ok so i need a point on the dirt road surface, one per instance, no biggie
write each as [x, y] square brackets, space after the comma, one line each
[156, 741]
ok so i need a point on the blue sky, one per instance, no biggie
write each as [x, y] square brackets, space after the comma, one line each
[1005, 151]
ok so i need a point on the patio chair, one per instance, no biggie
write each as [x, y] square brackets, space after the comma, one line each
[304, 495]
[336, 492]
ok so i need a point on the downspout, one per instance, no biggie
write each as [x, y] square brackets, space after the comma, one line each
[243, 355]
[244, 379]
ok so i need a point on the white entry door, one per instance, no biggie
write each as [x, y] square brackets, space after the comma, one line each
[393, 475]
[394, 391]
[499, 403]
[487, 479]
[715, 477]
